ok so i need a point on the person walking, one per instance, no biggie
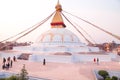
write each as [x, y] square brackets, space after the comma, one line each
[44, 62]
[97, 61]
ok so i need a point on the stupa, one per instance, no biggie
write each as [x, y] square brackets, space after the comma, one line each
[58, 44]
[57, 39]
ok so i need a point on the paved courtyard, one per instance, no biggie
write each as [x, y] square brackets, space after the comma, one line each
[62, 71]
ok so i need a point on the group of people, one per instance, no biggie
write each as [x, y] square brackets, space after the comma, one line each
[96, 60]
[7, 63]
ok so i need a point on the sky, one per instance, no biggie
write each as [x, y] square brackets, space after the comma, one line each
[18, 15]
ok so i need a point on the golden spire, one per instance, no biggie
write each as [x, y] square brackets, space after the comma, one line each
[58, 7]
[57, 21]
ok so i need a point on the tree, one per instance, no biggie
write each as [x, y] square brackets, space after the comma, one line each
[103, 73]
[114, 78]
[12, 78]
[108, 78]
[23, 74]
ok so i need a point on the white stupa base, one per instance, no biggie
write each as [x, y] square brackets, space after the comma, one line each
[70, 58]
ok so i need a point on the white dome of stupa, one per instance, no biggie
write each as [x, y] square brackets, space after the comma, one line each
[58, 37]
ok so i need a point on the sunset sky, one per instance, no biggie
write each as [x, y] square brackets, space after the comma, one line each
[18, 15]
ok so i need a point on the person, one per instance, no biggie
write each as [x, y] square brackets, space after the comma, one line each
[3, 66]
[4, 60]
[118, 50]
[98, 61]
[8, 59]
[7, 66]
[11, 63]
[44, 62]
[14, 58]
[94, 60]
